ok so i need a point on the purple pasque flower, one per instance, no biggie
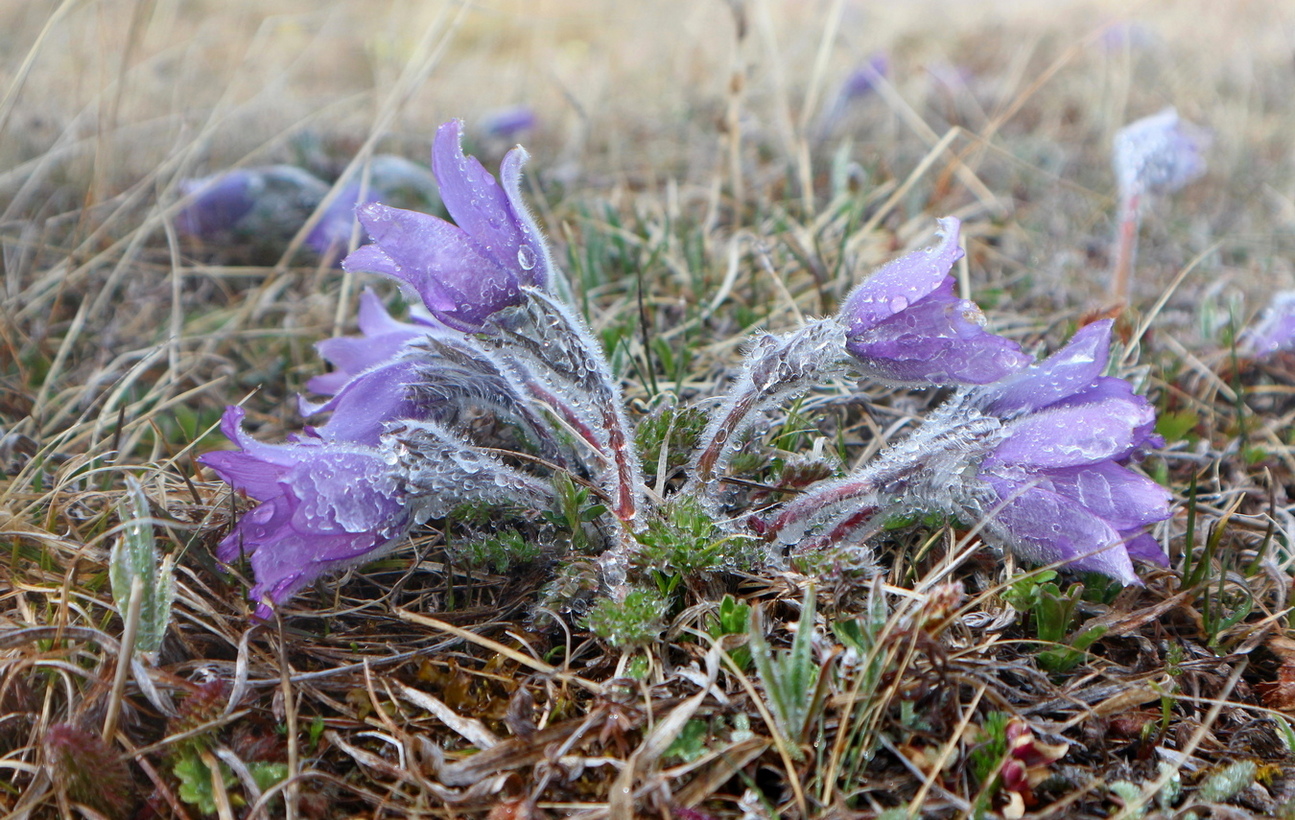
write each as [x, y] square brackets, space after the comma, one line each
[507, 123]
[904, 324]
[864, 78]
[325, 505]
[1158, 154]
[391, 179]
[466, 272]
[1059, 490]
[264, 204]
[1274, 331]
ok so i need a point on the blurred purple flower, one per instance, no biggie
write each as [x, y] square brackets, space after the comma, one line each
[507, 123]
[1274, 331]
[264, 204]
[863, 79]
[904, 324]
[1128, 35]
[1059, 490]
[469, 271]
[392, 179]
[325, 505]
[1158, 154]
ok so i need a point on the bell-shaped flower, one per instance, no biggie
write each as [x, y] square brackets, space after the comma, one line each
[1059, 490]
[325, 505]
[263, 205]
[466, 272]
[904, 324]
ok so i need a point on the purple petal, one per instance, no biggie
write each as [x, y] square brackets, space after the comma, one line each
[937, 340]
[1071, 369]
[1145, 548]
[383, 338]
[366, 403]
[493, 215]
[1045, 527]
[1274, 331]
[902, 282]
[459, 285]
[1120, 497]
[1068, 436]
[508, 122]
[220, 201]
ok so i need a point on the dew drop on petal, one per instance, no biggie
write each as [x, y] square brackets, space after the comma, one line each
[526, 257]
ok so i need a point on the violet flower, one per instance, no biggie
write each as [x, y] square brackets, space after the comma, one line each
[508, 123]
[467, 272]
[904, 324]
[1153, 156]
[324, 506]
[1060, 491]
[862, 81]
[1038, 458]
[262, 205]
[1274, 331]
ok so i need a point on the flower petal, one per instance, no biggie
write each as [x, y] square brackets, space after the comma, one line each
[1071, 435]
[938, 340]
[1071, 369]
[902, 282]
[493, 215]
[1045, 527]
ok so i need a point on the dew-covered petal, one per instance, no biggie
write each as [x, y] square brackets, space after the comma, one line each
[938, 340]
[1045, 527]
[1120, 497]
[1067, 436]
[459, 285]
[1071, 369]
[369, 401]
[531, 255]
[492, 214]
[902, 282]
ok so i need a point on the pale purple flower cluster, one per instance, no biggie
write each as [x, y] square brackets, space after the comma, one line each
[392, 453]
[1158, 154]
[1035, 451]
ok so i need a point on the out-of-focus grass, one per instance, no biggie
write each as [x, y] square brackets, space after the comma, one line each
[681, 161]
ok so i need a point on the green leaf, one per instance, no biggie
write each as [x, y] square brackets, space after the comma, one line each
[134, 555]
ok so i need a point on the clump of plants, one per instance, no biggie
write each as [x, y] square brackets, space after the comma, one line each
[1035, 452]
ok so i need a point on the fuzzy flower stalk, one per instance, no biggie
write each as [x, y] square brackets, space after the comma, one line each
[1038, 459]
[1154, 156]
[398, 448]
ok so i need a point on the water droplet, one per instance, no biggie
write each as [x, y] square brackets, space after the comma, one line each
[898, 303]
[526, 257]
